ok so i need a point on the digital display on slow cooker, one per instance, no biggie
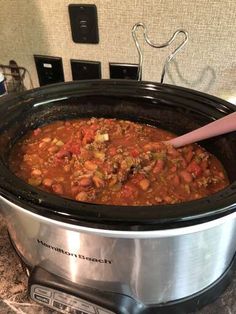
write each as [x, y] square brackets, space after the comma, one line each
[63, 302]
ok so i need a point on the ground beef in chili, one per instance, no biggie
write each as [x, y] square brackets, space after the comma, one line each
[109, 161]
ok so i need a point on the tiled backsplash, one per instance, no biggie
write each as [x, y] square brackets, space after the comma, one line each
[207, 62]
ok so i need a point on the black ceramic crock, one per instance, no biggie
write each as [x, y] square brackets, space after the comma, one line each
[176, 109]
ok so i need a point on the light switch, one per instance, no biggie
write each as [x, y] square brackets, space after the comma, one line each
[84, 23]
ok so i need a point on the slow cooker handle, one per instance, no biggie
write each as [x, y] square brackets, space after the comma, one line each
[154, 45]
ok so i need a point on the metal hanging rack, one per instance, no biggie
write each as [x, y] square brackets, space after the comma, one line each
[15, 76]
[155, 45]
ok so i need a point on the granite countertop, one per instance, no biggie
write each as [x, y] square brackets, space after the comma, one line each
[13, 284]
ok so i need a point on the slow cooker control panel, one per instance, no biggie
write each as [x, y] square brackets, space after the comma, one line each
[63, 302]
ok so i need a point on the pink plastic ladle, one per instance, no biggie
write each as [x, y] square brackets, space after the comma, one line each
[221, 126]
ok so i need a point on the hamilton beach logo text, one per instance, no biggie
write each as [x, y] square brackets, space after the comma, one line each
[80, 256]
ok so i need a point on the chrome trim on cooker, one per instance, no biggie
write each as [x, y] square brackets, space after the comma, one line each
[131, 234]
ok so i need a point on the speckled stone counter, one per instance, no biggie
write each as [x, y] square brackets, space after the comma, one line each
[13, 284]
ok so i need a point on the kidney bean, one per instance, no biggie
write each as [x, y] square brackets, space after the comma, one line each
[173, 152]
[79, 135]
[153, 146]
[187, 188]
[36, 132]
[67, 168]
[81, 196]
[57, 188]
[113, 181]
[59, 143]
[47, 182]
[144, 184]
[221, 175]
[189, 155]
[159, 166]
[35, 181]
[204, 164]
[85, 182]
[42, 144]
[75, 189]
[167, 199]
[207, 172]
[158, 199]
[89, 165]
[176, 180]
[36, 172]
[183, 162]
[47, 139]
[173, 169]
[187, 177]
[53, 149]
[98, 181]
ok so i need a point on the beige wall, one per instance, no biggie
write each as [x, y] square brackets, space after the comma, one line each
[207, 63]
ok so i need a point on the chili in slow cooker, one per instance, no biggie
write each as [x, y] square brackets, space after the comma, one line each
[117, 162]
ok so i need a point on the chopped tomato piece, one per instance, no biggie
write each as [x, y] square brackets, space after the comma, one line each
[88, 137]
[194, 168]
[134, 152]
[94, 127]
[74, 148]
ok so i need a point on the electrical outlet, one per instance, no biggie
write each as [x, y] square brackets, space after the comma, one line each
[49, 69]
[85, 70]
[84, 23]
[123, 71]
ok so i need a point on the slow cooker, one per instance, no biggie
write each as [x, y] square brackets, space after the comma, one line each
[101, 259]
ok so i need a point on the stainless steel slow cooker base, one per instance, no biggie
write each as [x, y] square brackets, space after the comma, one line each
[63, 295]
[150, 266]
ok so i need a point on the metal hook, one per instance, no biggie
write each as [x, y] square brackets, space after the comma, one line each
[150, 43]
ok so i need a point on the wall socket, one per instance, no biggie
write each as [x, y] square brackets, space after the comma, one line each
[49, 69]
[85, 70]
[123, 71]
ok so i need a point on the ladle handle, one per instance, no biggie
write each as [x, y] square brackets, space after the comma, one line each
[218, 127]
